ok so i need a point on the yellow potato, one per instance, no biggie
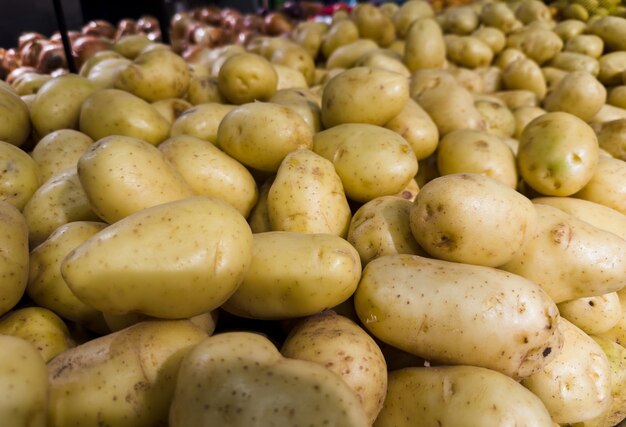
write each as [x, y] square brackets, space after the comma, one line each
[383, 59]
[29, 83]
[532, 11]
[472, 151]
[460, 20]
[594, 315]
[122, 175]
[24, 384]
[558, 154]
[553, 76]
[364, 95]
[612, 65]
[611, 138]
[193, 256]
[617, 96]
[171, 108]
[525, 74]
[345, 56]
[453, 216]
[417, 128]
[246, 77]
[540, 45]
[15, 122]
[409, 12]
[469, 79]
[573, 61]
[492, 78]
[61, 199]
[576, 385]
[240, 379]
[259, 218]
[58, 151]
[104, 73]
[425, 47]
[612, 29]
[493, 37]
[40, 327]
[303, 102]
[297, 58]
[607, 185]
[499, 120]
[125, 379]
[373, 24]
[578, 93]
[115, 112]
[470, 52]
[339, 34]
[131, 45]
[500, 16]
[201, 121]
[309, 35]
[342, 346]
[14, 256]
[294, 275]
[381, 227]
[523, 116]
[307, 196]
[616, 355]
[570, 258]
[289, 78]
[587, 44]
[370, 160]
[19, 175]
[211, 172]
[203, 90]
[453, 313]
[508, 56]
[46, 287]
[569, 28]
[463, 396]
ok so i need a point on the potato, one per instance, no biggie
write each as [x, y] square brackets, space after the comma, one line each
[500, 16]
[408, 13]
[104, 73]
[570, 258]
[569, 28]
[246, 77]
[532, 11]
[410, 191]
[209, 245]
[309, 35]
[510, 329]
[558, 154]
[40, 327]
[122, 175]
[611, 67]
[525, 74]
[13, 257]
[339, 34]
[338, 344]
[492, 78]
[469, 151]
[469, 79]
[294, 275]
[470, 52]
[171, 108]
[260, 135]
[381, 227]
[61, 199]
[297, 58]
[203, 90]
[24, 384]
[58, 103]
[575, 386]
[345, 56]
[459, 396]
[350, 97]
[587, 44]
[452, 216]
[425, 47]
[201, 121]
[289, 78]
[303, 102]
[241, 379]
[493, 37]
[370, 160]
[617, 96]
[15, 122]
[606, 114]
[607, 185]
[115, 112]
[259, 218]
[461, 20]
[507, 57]
[499, 120]
[594, 315]
[46, 287]
[211, 172]
[307, 196]
[523, 116]
[540, 45]
[155, 75]
[19, 175]
[417, 128]
[612, 29]
[612, 138]
[126, 378]
[58, 151]
[131, 45]
[598, 215]
[383, 59]
[29, 83]
[553, 76]
[578, 93]
[373, 24]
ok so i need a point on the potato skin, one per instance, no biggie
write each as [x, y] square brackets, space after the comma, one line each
[416, 126]
[407, 301]
[294, 275]
[15, 123]
[607, 186]
[578, 93]
[342, 346]
[201, 121]
[246, 77]
[425, 46]
[14, 256]
[594, 315]
[58, 151]
[453, 217]
[463, 396]
[19, 175]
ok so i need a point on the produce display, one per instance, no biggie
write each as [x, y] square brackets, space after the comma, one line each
[387, 215]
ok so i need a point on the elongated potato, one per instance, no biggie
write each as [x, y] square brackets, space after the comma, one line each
[607, 186]
[370, 160]
[594, 315]
[575, 386]
[295, 275]
[346, 55]
[499, 120]
[15, 122]
[13, 257]
[259, 218]
[122, 175]
[364, 95]
[417, 128]
[453, 216]
[612, 29]
[303, 102]
[339, 34]
[463, 396]
[58, 151]
[201, 121]
[343, 347]
[240, 379]
[523, 116]
[612, 138]
[307, 196]
[19, 175]
[570, 258]
[126, 378]
[525, 74]
[407, 301]
[425, 47]
[538, 44]
[409, 12]
[174, 260]
[611, 67]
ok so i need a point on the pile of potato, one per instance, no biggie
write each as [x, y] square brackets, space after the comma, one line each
[398, 218]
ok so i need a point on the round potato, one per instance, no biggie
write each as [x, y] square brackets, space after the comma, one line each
[540, 45]
[15, 122]
[417, 128]
[364, 95]
[558, 154]
[612, 29]
[303, 102]
[569, 28]
[383, 59]
[58, 151]
[523, 116]
[594, 315]
[201, 121]
[607, 186]
[578, 93]
[339, 34]
[453, 216]
[260, 135]
[345, 56]
[14, 256]
[499, 120]
[409, 12]
[612, 138]
[425, 47]
[373, 24]
[203, 90]
[500, 16]
[470, 52]
[493, 37]
[297, 58]
[171, 108]
[612, 65]
[587, 44]
[19, 175]
[370, 160]
[247, 77]
[617, 96]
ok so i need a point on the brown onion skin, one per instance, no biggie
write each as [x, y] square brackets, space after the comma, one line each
[99, 28]
[85, 47]
[51, 58]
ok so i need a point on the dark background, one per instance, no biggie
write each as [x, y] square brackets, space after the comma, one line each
[18, 16]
